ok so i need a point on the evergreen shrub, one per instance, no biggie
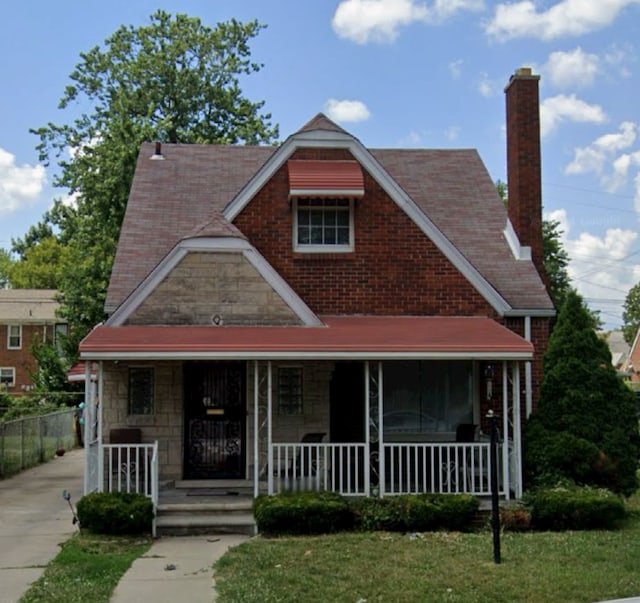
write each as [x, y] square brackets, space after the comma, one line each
[575, 508]
[115, 513]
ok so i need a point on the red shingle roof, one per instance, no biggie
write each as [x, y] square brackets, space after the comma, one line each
[355, 336]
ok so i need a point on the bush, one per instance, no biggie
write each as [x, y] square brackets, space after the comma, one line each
[115, 513]
[515, 518]
[415, 512]
[302, 513]
[575, 509]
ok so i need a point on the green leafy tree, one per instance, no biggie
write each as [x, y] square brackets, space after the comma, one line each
[41, 266]
[556, 260]
[5, 268]
[173, 80]
[585, 427]
[631, 314]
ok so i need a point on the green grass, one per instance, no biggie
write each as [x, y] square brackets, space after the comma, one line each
[86, 570]
[440, 566]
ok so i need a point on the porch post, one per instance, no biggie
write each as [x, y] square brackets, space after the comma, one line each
[88, 421]
[256, 444]
[269, 432]
[517, 444]
[381, 463]
[367, 430]
[527, 371]
[99, 404]
[505, 430]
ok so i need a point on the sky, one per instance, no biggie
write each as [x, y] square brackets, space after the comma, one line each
[394, 73]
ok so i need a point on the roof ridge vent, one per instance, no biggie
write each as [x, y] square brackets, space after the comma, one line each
[157, 154]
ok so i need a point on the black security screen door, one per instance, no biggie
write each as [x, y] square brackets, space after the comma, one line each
[214, 396]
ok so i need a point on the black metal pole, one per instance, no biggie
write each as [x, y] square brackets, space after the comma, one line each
[495, 508]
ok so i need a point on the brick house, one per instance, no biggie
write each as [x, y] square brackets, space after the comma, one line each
[25, 314]
[323, 315]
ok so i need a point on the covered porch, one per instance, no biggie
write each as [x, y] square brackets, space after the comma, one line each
[402, 408]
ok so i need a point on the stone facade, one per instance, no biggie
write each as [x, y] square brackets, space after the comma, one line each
[205, 285]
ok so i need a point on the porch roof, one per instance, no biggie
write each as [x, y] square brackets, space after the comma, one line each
[355, 337]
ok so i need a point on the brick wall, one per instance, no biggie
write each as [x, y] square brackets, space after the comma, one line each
[22, 360]
[394, 269]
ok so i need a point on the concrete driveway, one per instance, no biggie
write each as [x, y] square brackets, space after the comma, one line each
[35, 519]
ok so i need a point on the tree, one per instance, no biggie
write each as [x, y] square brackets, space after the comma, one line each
[41, 266]
[5, 268]
[585, 427]
[174, 80]
[555, 260]
[631, 314]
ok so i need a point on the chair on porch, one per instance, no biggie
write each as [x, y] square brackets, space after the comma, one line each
[125, 461]
[306, 462]
[459, 473]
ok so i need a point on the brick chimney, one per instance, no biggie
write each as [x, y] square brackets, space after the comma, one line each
[524, 162]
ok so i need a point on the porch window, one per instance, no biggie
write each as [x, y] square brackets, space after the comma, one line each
[290, 390]
[7, 377]
[141, 382]
[427, 397]
[323, 225]
[14, 337]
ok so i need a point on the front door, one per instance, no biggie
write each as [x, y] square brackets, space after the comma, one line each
[215, 412]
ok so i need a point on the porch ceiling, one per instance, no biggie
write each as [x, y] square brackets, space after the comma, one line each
[355, 337]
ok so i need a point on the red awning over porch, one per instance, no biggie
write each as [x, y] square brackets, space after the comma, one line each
[362, 337]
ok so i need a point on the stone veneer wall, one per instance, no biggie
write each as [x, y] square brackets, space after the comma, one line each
[166, 424]
[208, 284]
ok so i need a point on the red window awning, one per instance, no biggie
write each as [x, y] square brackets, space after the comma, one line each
[356, 337]
[310, 178]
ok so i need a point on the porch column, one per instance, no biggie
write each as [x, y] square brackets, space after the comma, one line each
[505, 430]
[527, 371]
[517, 431]
[256, 426]
[269, 431]
[367, 429]
[88, 423]
[373, 426]
[99, 405]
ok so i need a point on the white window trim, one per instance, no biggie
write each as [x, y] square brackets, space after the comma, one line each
[13, 376]
[298, 248]
[14, 347]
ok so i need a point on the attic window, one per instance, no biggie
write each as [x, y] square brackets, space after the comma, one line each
[311, 178]
[323, 225]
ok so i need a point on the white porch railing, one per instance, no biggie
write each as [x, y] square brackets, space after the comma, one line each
[446, 468]
[131, 468]
[330, 467]
[409, 468]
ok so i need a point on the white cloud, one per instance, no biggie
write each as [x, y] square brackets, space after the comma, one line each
[452, 133]
[566, 18]
[365, 21]
[572, 68]
[486, 87]
[594, 157]
[557, 109]
[455, 68]
[599, 267]
[19, 185]
[344, 111]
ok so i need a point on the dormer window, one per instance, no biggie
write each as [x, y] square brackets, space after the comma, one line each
[322, 225]
[323, 194]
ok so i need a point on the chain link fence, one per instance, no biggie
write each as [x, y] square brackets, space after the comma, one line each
[32, 440]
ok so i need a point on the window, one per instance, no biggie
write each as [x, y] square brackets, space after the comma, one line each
[323, 225]
[290, 390]
[141, 390]
[7, 377]
[427, 396]
[60, 333]
[14, 337]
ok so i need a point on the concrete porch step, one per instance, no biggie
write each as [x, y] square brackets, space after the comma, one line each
[213, 484]
[184, 523]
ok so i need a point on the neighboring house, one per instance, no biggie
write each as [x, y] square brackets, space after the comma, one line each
[619, 349]
[323, 315]
[25, 315]
[632, 364]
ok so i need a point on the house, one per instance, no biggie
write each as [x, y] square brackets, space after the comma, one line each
[619, 349]
[322, 315]
[632, 362]
[26, 315]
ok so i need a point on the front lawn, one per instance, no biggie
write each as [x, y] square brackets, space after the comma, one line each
[441, 566]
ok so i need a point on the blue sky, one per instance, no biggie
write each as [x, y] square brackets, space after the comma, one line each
[395, 73]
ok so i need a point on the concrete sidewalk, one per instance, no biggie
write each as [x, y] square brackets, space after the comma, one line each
[35, 519]
[175, 569]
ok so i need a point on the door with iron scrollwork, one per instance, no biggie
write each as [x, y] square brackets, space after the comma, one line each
[215, 414]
